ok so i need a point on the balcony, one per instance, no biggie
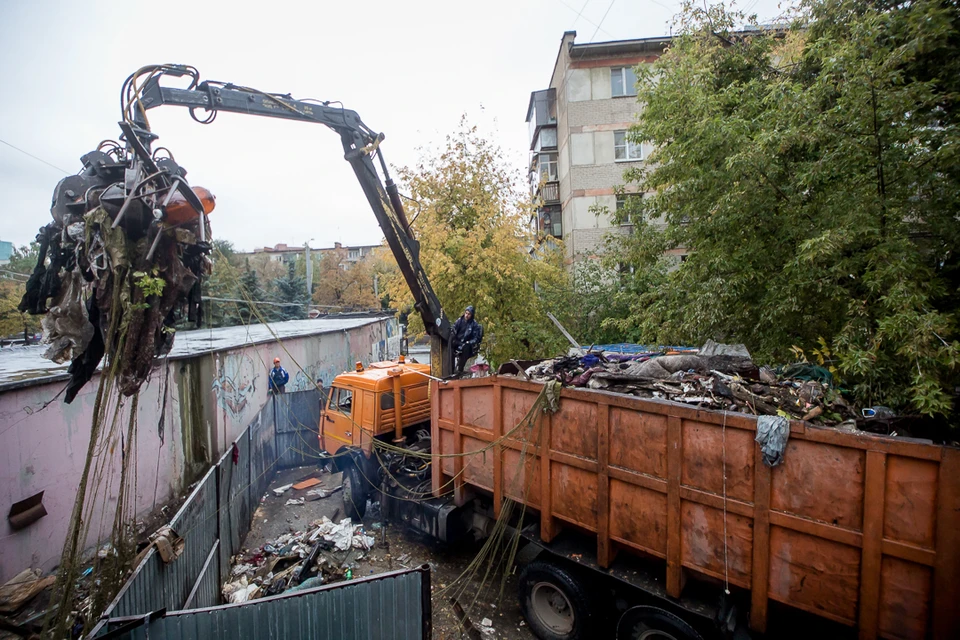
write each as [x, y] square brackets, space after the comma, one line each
[550, 221]
[542, 111]
[550, 193]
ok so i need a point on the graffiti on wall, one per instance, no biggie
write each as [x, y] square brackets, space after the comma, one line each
[321, 373]
[235, 383]
[389, 346]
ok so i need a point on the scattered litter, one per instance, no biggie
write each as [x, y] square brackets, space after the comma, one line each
[22, 588]
[169, 545]
[292, 502]
[324, 493]
[279, 491]
[306, 484]
[300, 559]
[486, 622]
[240, 591]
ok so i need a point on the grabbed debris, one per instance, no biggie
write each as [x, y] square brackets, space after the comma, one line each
[121, 263]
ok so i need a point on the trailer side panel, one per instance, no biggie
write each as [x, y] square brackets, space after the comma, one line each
[859, 529]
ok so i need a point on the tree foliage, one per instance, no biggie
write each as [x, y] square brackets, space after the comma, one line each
[341, 284]
[469, 218]
[13, 323]
[290, 289]
[812, 172]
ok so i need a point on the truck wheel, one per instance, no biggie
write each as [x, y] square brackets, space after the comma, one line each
[354, 493]
[555, 603]
[651, 623]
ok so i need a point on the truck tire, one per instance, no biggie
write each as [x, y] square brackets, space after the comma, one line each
[652, 623]
[555, 603]
[355, 492]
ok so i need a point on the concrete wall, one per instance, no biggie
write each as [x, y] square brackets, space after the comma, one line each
[587, 116]
[188, 414]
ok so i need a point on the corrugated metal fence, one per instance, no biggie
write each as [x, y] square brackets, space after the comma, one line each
[213, 523]
[298, 419]
[389, 606]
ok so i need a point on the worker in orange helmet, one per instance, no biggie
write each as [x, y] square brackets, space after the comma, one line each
[278, 377]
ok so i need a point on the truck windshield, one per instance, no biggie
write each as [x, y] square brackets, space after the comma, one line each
[341, 400]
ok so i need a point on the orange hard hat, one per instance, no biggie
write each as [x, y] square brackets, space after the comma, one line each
[276, 360]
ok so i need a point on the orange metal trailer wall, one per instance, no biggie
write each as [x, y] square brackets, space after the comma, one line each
[859, 529]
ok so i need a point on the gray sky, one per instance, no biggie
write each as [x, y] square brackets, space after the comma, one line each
[410, 69]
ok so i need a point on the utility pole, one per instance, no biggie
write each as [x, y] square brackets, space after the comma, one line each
[309, 264]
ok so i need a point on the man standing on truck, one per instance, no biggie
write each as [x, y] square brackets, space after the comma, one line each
[278, 377]
[466, 338]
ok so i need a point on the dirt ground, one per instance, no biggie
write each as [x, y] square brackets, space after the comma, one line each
[393, 544]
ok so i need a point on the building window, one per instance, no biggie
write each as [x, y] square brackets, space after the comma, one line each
[278, 258]
[629, 201]
[353, 254]
[548, 138]
[623, 81]
[624, 149]
[550, 222]
[548, 167]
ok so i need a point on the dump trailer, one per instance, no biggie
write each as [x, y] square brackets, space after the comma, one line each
[669, 514]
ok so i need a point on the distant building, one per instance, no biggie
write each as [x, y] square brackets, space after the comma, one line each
[6, 251]
[271, 262]
[284, 253]
[578, 138]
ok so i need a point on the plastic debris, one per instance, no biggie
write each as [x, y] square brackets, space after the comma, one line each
[240, 591]
[279, 491]
[324, 493]
[293, 502]
[772, 434]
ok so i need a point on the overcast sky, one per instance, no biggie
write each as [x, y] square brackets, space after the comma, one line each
[410, 69]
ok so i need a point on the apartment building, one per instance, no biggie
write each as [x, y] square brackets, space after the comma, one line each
[578, 144]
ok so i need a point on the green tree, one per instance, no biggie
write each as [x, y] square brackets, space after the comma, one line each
[287, 290]
[12, 287]
[251, 292]
[812, 173]
[474, 248]
[221, 287]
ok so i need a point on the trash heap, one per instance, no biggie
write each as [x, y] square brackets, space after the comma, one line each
[326, 552]
[715, 376]
[121, 263]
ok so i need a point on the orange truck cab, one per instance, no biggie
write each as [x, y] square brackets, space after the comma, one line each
[362, 406]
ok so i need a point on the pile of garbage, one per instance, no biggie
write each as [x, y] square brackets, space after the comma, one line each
[121, 263]
[324, 553]
[716, 376]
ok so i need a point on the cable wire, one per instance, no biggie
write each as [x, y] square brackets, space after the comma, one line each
[37, 158]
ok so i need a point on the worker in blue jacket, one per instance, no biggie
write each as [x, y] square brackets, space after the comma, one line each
[466, 339]
[278, 377]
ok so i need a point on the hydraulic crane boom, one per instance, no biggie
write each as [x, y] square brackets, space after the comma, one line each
[360, 144]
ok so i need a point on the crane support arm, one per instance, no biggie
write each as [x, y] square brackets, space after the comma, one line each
[360, 145]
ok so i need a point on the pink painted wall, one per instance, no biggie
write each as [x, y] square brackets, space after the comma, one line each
[209, 400]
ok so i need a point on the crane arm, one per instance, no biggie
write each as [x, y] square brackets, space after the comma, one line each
[360, 144]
